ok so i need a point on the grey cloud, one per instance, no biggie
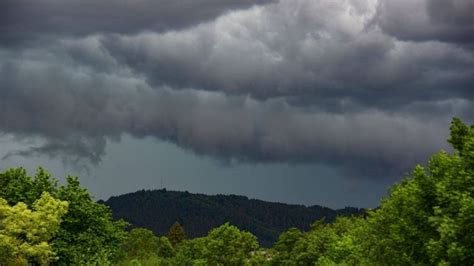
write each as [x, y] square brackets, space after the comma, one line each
[424, 20]
[24, 20]
[311, 52]
[75, 109]
[286, 50]
[76, 151]
[293, 81]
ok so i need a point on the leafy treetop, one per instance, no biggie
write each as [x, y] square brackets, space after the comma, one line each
[24, 233]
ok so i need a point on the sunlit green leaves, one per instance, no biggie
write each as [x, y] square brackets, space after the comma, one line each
[24, 233]
[87, 234]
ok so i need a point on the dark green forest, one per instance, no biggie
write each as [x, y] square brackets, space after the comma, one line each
[157, 210]
[426, 219]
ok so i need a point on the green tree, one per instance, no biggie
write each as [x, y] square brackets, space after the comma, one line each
[260, 257]
[345, 248]
[24, 233]
[284, 246]
[142, 247]
[459, 134]
[429, 217]
[165, 249]
[191, 252]
[176, 234]
[315, 243]
[88, 233]
[140, 243]
[227, 245]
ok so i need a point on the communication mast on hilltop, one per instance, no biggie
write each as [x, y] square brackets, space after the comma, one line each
[162, 184]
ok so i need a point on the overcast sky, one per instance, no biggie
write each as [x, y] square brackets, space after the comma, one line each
[303, 101]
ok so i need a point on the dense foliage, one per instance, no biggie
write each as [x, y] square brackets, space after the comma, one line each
[157, 210]
[225, 245]
[427, 219]
[24, 233]
[87, 233]
[143, 247]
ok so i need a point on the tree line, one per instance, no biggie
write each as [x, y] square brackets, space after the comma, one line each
[426, 219]
[157, 210]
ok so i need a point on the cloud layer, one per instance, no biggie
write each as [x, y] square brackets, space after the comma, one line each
[24, 20]
[428, 20]
[352, 84]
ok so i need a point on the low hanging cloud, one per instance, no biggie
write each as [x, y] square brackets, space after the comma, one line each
[95, 106]
[339, 83]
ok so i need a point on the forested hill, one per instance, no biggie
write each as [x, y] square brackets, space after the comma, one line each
[159, 209]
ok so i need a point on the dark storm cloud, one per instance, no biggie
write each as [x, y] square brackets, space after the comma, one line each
[25, 20]
[286, 50]
[422, 20]
[293, 81]
[75, 109]
[72, 149]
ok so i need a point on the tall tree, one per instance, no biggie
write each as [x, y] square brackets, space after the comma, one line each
[427, 219]
[88, 234]
[430, 215]
[176, 234]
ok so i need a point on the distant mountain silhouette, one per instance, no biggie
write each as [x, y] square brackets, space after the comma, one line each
[157, 210]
